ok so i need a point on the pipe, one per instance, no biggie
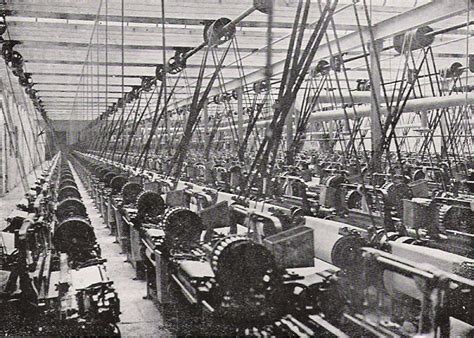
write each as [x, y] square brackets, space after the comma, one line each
[413, 105]
[352, 97]
[452, 28]
[240, 17]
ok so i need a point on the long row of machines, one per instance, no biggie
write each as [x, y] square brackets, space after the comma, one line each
[253, 266]
[53, 280]
[428, 199]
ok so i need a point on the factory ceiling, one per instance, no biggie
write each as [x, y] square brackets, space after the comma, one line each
[85, 55]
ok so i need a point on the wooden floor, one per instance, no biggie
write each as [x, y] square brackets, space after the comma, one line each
[140, 317]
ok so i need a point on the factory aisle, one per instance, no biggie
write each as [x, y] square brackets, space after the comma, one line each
[140, 317]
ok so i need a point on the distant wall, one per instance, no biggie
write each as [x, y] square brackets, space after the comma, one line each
[22, 142]
[72, 128]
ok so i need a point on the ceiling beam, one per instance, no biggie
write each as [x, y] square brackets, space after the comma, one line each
[117, 64]
[398, 24]
[181, 14]
[30, 43]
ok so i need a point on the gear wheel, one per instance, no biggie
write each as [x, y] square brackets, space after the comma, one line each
[353, 200]
[454, 217]
[418, 175]
[130, 192]
[346, 252]
[150, 203]
[102, 173]
[73, 234]
[70, 207]
[239, 263]
[68, 192]
[394, 194]
[98, 170]
[67, 176]
[246, 280]
[117, 183]
[109, 177]
[67, 182]
[182, 227]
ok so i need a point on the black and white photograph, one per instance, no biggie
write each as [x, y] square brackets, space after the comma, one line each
[251, 168]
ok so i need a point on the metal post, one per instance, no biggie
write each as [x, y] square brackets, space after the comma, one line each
[205, 118]
[375, 119]
[240, 115]
[289, 127]
[424, 119]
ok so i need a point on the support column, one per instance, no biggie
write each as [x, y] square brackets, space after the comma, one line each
[240, 115]
[443, 125]
[289, 127]
[444, 134]
[375, 124]
[16, 175]
[424, 119]
[205, 121]
[166, 122]
[3, 157]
